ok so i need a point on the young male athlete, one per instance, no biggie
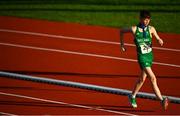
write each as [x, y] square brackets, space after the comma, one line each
[143, 33]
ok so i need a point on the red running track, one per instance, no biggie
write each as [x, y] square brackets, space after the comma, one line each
[56, 50]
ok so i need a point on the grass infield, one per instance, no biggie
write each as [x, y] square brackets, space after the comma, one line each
[112, 13]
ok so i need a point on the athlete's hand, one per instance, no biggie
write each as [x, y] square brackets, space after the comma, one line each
[160, 42]
[123, 49]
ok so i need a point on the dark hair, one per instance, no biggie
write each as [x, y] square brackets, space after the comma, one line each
[145, 14]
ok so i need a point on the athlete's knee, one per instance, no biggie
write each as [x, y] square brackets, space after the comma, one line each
[142, 80]
[153, 79]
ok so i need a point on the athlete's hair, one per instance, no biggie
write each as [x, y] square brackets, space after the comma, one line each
[145, 14]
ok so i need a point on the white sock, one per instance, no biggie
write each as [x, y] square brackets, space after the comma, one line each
[133, 96]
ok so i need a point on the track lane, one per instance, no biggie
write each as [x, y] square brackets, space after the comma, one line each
[84, 101]
[81, 97]
[77, 30]
[85, 47]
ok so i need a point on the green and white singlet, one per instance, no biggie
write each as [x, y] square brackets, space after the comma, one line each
[144, 48]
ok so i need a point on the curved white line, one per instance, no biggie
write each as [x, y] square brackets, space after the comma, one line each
[80, 39]
[84, 54]
[64, 103]
[7, 114]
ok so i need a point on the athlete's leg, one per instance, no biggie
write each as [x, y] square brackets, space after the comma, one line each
[139, 83]
[153, 79]
[164, 101]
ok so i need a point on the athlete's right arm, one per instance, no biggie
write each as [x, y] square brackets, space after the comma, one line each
[122, 31]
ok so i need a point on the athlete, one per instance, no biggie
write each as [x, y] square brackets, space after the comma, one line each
[143, 33]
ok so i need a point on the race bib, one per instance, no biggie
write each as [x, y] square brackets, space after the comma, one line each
[145, 48]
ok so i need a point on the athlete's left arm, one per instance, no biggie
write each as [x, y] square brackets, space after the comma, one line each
[154, 32]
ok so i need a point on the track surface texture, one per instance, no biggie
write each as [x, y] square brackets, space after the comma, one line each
[79, 53]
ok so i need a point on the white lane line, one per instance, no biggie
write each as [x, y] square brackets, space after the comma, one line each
[79, 39]
[7, 114]
[83, 54]
[68, 104]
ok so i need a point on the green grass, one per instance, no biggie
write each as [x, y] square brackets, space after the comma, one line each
[113, 13]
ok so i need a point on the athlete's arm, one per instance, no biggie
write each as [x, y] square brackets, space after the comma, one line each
[122, 31]
[154, 32]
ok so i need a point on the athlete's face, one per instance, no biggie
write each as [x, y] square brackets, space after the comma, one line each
[145, 21]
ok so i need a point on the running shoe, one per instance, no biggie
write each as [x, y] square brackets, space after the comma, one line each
[165, 103]
[132, 101]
